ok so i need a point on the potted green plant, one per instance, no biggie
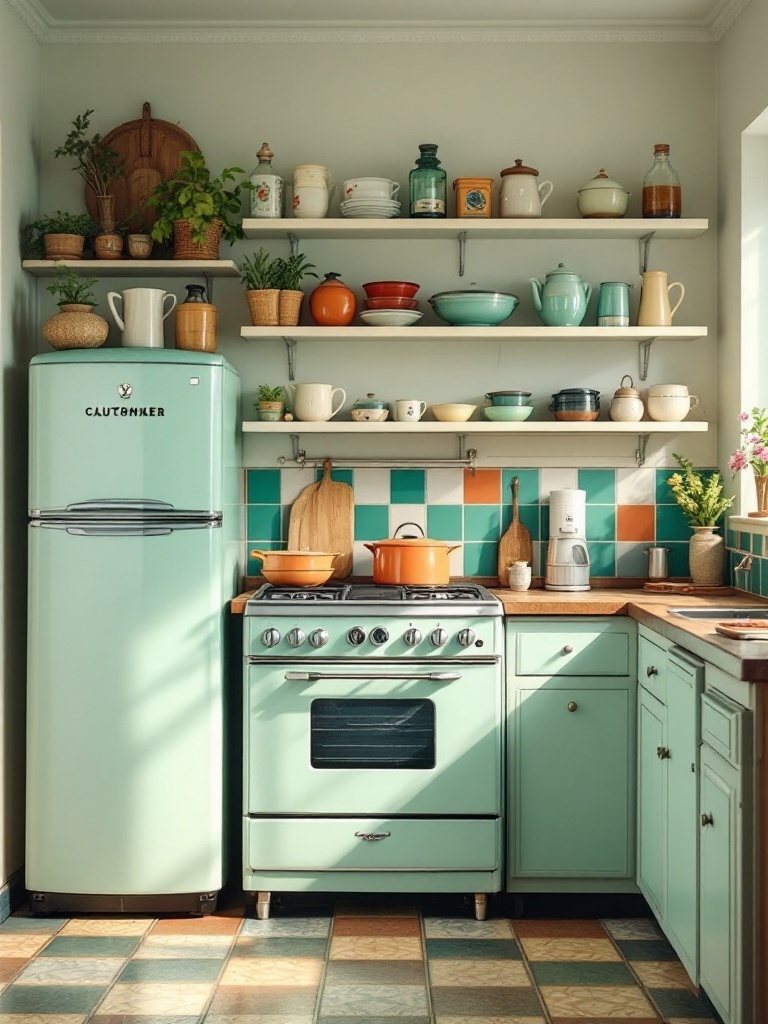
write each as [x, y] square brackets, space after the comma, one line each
[289, 273]
[60, 235]
[259, 275]
[270, 402]
[196, 209]
[74, 326]
[702, 502]
[97, 164]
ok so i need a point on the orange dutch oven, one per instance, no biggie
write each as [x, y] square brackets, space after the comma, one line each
[411, 561]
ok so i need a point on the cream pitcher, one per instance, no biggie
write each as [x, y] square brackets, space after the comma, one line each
[312, 188]
[314, 402]
[654, 308]
[143, 315]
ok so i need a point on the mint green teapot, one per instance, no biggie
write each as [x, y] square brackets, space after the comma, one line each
[562, 300]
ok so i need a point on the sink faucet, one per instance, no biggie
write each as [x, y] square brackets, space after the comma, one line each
[745, 566]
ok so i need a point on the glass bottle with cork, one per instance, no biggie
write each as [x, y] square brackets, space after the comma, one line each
[427, 184]
[267, 186]
[661, 186]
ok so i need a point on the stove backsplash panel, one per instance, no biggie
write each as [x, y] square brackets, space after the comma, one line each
[627, 509]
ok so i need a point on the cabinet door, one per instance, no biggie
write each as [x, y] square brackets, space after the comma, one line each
[651, 800]
[571, 781]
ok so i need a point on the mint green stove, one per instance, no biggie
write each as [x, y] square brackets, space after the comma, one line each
[373, 740]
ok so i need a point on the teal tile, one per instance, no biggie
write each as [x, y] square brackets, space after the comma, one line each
[601, 522]
[473, 949]
[445, 522]
[600, 485]
[681, 1004]
[480, 559]
[602, 559]
[744, 541]
[528, 486]
[677, 559]
[764, 579]
[757, 544]
[730, 538]
[253, 565]
[482, 522]
[755, 575]
[262, 486]
[663, 491]
[263, 522]
[202, 969]
[645, 949]
[90, 945]
[544, 518]
[280, 946]
[633, 561]
[371, 522]
[529, 517]
[671, 524]
[50, 999]
[580, 973]
[341, 476]
[408, 486]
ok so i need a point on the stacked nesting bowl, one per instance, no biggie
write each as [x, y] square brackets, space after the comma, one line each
[390, 304]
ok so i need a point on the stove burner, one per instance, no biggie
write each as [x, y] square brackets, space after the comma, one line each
[370, 592]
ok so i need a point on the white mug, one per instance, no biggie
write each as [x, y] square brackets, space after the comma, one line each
[143, 315]
[314, 402]
[519, 575]
[409, 410]
[314, 175]
[370, 188]
[671, 408]
[310, 201]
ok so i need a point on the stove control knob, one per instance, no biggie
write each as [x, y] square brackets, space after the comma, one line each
[412, 637]
[318, 637]
[439, 637]
[379, 636]
[296, 637]
[356, 636]
[466, 637]
[270, 637]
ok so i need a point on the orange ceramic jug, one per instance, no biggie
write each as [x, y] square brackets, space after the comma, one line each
[332, 304]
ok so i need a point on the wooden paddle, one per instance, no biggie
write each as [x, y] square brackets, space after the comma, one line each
[515, 545]
[298, 511]
[327, 522]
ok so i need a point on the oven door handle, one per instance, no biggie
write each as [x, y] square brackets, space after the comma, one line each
[311, 677]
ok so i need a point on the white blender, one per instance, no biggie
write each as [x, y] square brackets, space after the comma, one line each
[567, 555]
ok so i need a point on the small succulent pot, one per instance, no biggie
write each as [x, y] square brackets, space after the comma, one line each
[270, 412]
[139, 246]
[108, 247]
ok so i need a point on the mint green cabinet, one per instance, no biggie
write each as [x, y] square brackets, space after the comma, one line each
[651, 800]
[571, 754]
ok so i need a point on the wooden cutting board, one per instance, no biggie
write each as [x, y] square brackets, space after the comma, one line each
[666, 587]
[515, 545]
[298, 510]
[326, 521]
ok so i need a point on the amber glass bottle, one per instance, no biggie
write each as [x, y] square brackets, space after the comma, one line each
[661, 186]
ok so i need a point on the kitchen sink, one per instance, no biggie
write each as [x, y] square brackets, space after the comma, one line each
[759, 611]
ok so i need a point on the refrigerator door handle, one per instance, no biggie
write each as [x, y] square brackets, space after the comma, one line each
[118, 504]
[125, 529]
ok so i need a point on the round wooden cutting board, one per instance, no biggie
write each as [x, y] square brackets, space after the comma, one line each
[152, 151]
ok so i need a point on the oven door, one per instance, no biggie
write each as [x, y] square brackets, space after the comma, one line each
[373, 737]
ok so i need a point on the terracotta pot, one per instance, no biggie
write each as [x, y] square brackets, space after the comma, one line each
[296, 568]
[140, 246]
[63, 247]
[414, 561]
[108, 246]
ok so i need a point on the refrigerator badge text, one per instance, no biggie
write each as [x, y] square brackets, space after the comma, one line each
[124, 410]
[125, 390]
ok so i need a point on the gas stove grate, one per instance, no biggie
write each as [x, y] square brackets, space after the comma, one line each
[363, 593]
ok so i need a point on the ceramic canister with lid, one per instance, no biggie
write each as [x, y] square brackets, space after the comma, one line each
[520, 194]
[332, 303]
[626, 405]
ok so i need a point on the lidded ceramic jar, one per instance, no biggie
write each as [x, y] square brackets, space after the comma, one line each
[602, 197]
[332, 303]
[370, 409]
[520, 194]
[626, 405]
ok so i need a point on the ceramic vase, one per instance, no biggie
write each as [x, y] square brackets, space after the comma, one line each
[706, 557]
[761, 489]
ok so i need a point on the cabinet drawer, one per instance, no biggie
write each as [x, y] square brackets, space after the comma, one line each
[721, 720]
[325, 844]
[572, 653]
[652, 668]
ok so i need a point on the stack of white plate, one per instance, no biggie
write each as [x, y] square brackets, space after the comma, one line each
[377, 208]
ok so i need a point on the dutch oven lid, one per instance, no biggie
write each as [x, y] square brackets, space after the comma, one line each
[410, 539]
[491, 394]
[520, 168]
[576, 391]
[601, 180]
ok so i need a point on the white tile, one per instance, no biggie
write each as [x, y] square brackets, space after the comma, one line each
[456, 561]
[362, 560]
[292, 481]
[445, 486]
[636, 486]
[399, 514]
[372, 486]
[556, 478]
[631, 559]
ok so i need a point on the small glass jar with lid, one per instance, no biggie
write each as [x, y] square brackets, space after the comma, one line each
[662, 196]
[427, 184]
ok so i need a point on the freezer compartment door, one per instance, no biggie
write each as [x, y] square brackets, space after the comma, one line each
[125, 692]
[146, 432]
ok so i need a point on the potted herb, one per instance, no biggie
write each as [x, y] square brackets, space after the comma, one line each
[196, 209]
[290, 273]
[74, 326]
[97, 164]
[701, 499]
[60, 235]
[270, 402]
[259, 275]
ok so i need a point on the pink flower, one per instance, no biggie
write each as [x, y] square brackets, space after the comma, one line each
[760, 452]
[737, 461]
[743, 416]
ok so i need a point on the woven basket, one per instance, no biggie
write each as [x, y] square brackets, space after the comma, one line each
[289, 307]
[75, 327]
[264, 306]
[63, 247]
[185, 249]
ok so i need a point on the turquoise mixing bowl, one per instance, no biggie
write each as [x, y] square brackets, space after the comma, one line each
[508, 413]
[474, 308]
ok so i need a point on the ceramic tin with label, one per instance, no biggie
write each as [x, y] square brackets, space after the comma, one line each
[473, 197]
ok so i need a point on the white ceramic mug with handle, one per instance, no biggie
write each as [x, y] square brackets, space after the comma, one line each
[409, 410]
[315, 402]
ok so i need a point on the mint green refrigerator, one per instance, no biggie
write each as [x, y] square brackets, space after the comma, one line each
[135, 511]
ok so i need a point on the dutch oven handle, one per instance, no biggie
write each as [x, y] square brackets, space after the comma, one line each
[409, 536]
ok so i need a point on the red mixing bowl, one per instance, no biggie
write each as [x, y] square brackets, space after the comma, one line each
[375, 289]
[391, 302]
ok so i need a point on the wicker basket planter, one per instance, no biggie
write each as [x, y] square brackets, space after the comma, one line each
[75, 327]
[185, 249]
[64, 247]
[264, 305]
[289, 307]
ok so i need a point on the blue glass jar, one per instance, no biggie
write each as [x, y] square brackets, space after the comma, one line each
[427, 184]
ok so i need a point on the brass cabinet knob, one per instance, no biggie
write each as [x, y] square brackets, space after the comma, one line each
[572, 705]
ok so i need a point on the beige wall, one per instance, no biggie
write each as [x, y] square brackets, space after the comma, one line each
[19, 106]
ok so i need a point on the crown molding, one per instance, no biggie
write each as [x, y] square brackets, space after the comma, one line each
[724, 17]
[33, 16]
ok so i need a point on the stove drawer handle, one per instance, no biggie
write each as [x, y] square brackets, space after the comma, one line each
[372, 837]
[311, 677]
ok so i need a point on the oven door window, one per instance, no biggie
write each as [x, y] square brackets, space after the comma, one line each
[372, 733]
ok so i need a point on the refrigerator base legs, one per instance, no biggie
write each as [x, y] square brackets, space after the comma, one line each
[194, 903]
[262, 905]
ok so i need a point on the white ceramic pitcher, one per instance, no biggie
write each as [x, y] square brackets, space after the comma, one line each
[654, 308]
[143, 312]
[314, 402]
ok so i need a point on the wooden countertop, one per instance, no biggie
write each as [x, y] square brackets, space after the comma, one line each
[744, 659]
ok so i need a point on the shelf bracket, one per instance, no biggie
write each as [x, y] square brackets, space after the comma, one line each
[298, 455]
[645, 250]
[644, 352]
[642, 444]
[462, 251]
[208, 278]
[290, 344]
[293, 241]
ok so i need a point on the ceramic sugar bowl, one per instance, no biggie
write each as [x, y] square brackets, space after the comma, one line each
[626, 405]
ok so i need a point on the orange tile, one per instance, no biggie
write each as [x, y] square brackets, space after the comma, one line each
[559, 929]
[635, 522]
[376, 926]
[213, 925]
[484, 488]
